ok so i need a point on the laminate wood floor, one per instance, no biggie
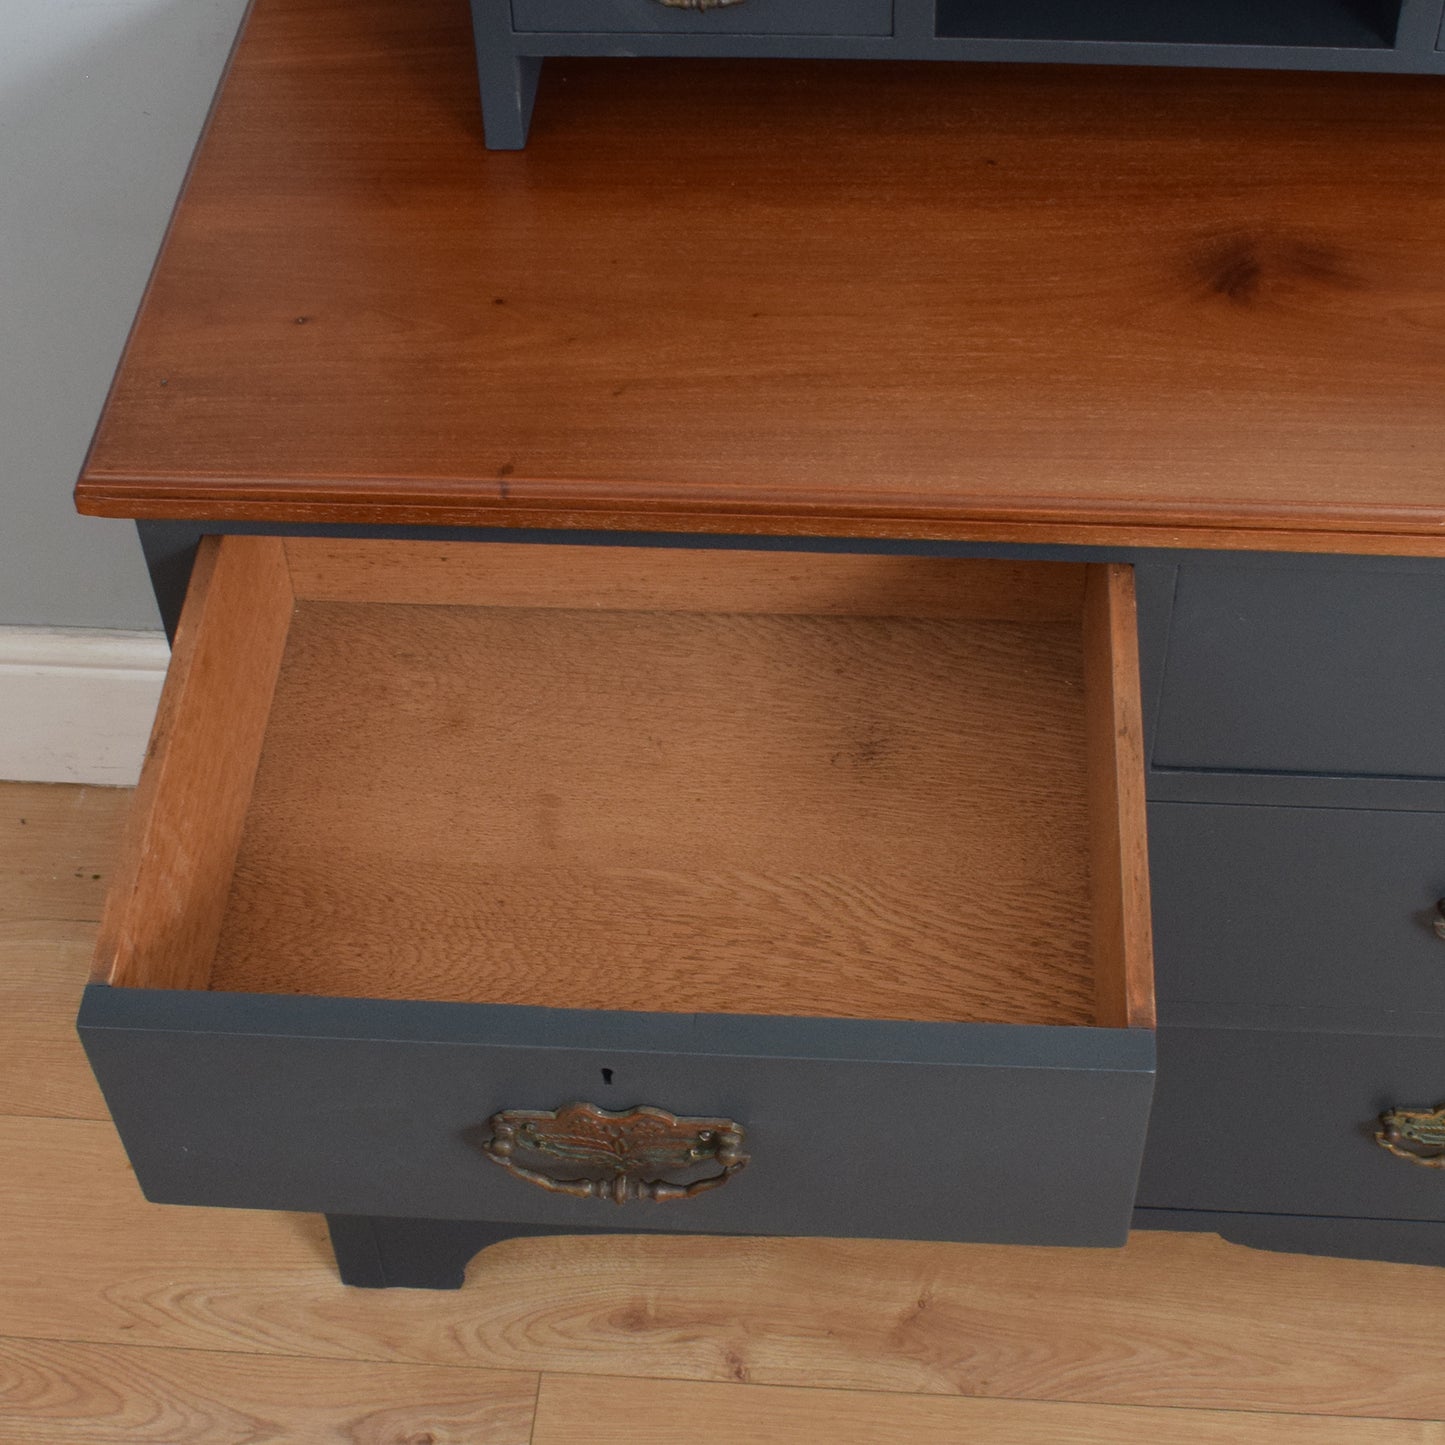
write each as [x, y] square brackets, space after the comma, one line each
[122, 1321]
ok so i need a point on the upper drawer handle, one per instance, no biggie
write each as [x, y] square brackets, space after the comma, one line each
[698, 4]
[593, 1153]
[1414, 1134]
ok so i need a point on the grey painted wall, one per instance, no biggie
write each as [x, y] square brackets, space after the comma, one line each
[100, 104]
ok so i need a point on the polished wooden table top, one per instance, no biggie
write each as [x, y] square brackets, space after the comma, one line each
[1031, 304]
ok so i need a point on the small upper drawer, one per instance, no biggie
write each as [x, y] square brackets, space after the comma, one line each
[740, 17]
[847, 851]
[1310, 669]
[1262, 912]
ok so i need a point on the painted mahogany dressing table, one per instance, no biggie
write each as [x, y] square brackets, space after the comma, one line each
[676, 630]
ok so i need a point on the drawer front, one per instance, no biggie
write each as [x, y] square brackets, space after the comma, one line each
[1310, 669]
[1299, 908]
[745, 17]
[1394, 1241]
[1283, 1123]
[939, 1131]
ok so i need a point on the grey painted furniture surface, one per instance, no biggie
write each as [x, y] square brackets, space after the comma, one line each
[1301, 992]
[1297, 853]
[1320, 670]
[1395, 1241]
[514, 36]
[379, 1252]
[377, 1107]
[1259, 1121]
[1325, 914]
[748, 17]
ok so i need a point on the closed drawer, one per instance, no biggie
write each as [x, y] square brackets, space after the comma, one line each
[1308, 909]
[1305, 669]
[744, 17]
[844, 851]
[1284, 1122]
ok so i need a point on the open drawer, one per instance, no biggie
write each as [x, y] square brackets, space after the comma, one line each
[835, 863]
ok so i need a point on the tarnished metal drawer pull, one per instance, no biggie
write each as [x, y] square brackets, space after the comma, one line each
[1414, 1134]
[593, 1153]
[698, 4]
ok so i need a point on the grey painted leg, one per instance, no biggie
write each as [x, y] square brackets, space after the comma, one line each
[413, 1253]
[509, 90]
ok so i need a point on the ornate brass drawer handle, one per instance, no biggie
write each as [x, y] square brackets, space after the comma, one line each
[592, 1153]
[1414, 1134]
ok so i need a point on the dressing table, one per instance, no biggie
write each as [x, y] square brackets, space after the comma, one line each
[679, 631]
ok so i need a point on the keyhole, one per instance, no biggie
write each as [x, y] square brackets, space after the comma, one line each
[606, 1076]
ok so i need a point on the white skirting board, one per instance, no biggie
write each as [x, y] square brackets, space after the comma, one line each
[76, 706]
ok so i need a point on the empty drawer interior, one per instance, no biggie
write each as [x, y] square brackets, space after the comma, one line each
[646, 779]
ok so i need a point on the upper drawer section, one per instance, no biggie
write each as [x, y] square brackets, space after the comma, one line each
[741, 17]
[1310, 669]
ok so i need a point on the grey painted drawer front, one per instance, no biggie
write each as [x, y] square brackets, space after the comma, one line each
[1306, 909]
[750, 17]
[1305, 669]
[1281, 1123]
[858, 1128]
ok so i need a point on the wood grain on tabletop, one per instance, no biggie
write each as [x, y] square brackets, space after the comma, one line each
[1042, 304]
[576, 1411]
